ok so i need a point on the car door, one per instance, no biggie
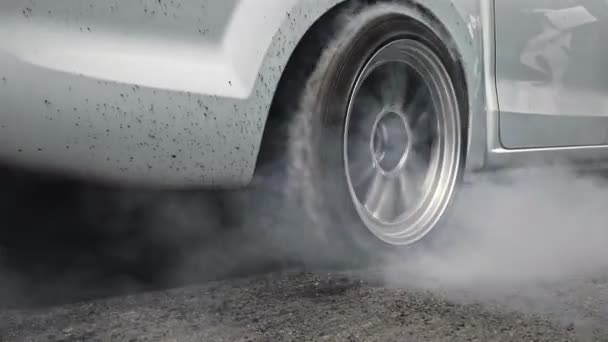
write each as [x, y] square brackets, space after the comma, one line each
[552, 72]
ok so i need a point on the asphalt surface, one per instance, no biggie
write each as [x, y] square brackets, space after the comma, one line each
[292, 307]
[64, 279]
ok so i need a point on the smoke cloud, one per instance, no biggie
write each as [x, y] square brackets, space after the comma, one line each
[516, 238]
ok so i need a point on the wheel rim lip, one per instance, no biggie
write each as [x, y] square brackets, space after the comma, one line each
[444, 162]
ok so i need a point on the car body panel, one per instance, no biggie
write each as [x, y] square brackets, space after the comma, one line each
[166, 98]
[552, 87]
[499, 156]
[170, 94]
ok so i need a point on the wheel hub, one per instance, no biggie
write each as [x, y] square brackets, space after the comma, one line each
[390, 141]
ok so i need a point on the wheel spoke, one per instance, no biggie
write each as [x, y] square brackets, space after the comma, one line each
[421, 130]
[414, 105]
[421, 120]
[395, 87]
[369, 102]
[379, 194]
[416, 166]
[360, 161]
[363, 174]
[407, 192]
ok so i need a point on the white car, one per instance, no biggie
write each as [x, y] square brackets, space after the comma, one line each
[376, 108]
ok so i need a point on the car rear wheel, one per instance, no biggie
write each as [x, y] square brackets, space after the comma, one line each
[376, 138]
[402, 142]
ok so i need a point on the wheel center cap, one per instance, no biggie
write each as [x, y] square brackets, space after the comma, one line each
[390, 141]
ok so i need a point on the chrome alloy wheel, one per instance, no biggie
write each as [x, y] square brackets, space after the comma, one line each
[402, 142]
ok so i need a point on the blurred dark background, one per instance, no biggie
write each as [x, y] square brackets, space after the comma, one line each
[64, 240]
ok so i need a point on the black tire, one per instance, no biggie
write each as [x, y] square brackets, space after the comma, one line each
[310, 111]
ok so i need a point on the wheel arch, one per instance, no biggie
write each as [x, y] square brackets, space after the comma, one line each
[456, 22]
